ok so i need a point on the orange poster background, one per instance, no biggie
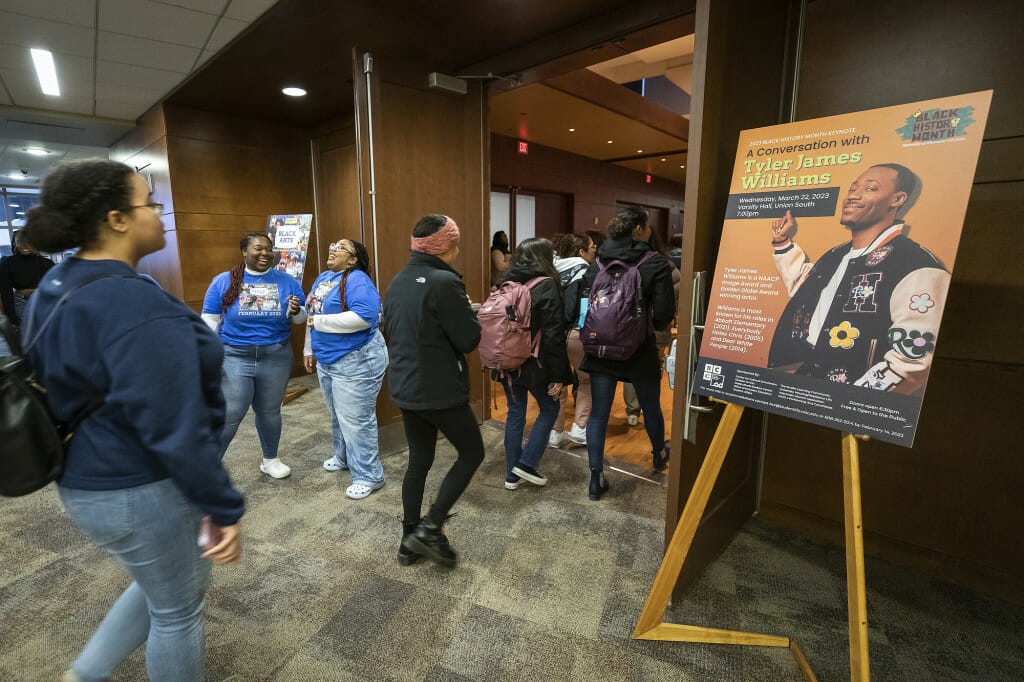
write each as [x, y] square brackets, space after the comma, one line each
[946, 169]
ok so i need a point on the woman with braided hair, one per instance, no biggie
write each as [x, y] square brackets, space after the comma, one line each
[350, 358]
[250, 307]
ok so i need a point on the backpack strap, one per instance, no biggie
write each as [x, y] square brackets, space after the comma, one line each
[29, 313]
[535, 345]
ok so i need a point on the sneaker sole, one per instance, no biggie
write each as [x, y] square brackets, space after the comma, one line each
[526, 476]
[273, 476]
[425, 550]
[408, 559]
[512, 486]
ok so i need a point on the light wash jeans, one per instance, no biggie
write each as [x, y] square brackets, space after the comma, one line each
[257, 376]
[350, 387]
[152, 531]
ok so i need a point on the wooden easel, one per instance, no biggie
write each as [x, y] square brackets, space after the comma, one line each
[650, 625]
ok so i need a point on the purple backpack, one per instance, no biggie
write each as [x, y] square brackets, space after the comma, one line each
[617, 318]
[505, 339]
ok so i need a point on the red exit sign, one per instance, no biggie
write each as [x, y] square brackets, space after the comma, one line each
[647, 178]
[524, 147]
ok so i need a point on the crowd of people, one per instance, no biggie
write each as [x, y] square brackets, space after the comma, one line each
[144, 476]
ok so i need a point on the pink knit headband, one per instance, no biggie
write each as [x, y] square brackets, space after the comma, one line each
[440, 241]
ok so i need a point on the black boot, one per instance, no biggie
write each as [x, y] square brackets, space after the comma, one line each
[598, 484]
[661, 458]
[407, 557]
[429, 541]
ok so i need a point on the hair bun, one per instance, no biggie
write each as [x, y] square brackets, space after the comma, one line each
[51, 230]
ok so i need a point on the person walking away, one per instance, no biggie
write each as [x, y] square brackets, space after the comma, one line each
[575, 253]
[543, 376]
[642, 367]
[20, 274]
[348, 353]
[143, 477]
[431, 327]
[244, 306]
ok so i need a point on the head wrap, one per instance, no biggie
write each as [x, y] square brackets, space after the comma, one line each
[440, 241]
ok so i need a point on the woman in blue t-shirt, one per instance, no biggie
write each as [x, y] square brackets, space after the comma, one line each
[343, 344]
[250, 306]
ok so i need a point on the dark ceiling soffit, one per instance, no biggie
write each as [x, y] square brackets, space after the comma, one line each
[598, 39]
[607, 94]
[653, 155]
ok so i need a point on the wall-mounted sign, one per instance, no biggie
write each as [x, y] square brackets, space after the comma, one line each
[840, 235]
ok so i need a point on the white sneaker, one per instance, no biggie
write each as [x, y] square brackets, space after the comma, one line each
[578, 434]
[331, 464]
[632, 419]
[557, 439]
[275, 468]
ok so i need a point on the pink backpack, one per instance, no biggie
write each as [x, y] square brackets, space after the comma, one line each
[505, 339]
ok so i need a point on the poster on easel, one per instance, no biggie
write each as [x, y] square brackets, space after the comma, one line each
[840, 235]
[290, 236]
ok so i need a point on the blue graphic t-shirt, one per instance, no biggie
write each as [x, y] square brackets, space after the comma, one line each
[325, 298]
[260, 315]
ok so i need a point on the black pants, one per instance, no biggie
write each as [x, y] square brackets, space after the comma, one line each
[458, 424]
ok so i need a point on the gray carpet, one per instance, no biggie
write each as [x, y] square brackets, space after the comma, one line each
[548, 587]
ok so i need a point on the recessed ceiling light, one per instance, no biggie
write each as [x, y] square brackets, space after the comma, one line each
[294, 92]
[572, 130]
[610, 141]
[682, 166]
[46, 71]
[36, 151]
[639, 151]
[664, 159]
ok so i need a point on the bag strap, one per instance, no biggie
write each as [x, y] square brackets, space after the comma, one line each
[30, 312]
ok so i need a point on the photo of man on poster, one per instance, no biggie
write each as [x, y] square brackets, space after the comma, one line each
[867, 313]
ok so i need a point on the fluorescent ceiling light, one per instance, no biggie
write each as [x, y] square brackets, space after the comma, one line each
[36, 151]
[294, 92]
[46, 71]
[16, 176]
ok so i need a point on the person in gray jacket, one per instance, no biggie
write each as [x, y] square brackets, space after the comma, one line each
[431, 327]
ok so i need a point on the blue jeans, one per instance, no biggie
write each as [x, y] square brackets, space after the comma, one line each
[257, 376]
[350, 387]
[515, 424]
[602, 391]
[151, 530]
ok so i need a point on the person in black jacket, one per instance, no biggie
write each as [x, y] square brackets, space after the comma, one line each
[543, 376]
[20, 274]
[628, 234]
[431, 327]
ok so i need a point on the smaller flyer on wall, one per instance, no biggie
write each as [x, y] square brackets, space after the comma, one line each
[837, 249]
[290, 237]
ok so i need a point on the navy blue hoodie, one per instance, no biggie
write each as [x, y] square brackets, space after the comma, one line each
[159, 367]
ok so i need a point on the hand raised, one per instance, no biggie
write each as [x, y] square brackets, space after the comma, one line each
[783, 228]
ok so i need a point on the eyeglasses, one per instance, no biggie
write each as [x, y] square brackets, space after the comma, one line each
[157, 207]
[339, 246]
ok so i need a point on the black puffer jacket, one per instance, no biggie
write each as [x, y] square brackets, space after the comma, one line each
[430, 327]
[656, 282]
[545, 318]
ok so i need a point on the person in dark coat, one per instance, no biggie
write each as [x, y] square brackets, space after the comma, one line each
[431, 327]
[543, 376]
[628, 235]
[20, 274]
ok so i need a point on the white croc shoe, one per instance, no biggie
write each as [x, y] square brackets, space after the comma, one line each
[331, 464]
[275, 468]
[358, 491]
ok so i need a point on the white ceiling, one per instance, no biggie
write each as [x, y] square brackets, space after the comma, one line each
[115, 59]
[672, 59]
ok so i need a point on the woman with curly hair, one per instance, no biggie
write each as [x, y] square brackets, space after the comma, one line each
[350, 358]
[250, 307]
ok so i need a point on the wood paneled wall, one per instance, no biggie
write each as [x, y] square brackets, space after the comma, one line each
[228, 174]
[949, 506]
[595, 186]
[145, 148]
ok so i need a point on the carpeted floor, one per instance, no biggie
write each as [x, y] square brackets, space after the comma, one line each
[548, 587]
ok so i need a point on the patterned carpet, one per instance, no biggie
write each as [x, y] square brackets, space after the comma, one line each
[548, 587]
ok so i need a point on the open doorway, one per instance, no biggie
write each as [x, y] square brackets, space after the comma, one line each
[571, 151]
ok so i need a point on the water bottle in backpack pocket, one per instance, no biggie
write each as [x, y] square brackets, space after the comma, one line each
[617, 318]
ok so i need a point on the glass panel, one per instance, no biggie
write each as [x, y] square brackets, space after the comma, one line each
[499, 213]
[526, 217]
[18, 205]
[5, 242]
[3, 211]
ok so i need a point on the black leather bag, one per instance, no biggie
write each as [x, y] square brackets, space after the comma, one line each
[33, 445]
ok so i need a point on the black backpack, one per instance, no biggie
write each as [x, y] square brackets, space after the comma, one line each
[33, 445]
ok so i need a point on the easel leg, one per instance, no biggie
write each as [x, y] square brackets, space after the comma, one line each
[679, 547]
[856, 595]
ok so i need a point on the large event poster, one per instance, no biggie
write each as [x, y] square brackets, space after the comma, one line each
[290, 237]
[840, 235]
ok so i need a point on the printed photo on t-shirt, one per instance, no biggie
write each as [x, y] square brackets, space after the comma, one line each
[315, 304]
[255, 299]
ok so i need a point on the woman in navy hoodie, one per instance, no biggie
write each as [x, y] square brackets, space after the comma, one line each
[143, 477]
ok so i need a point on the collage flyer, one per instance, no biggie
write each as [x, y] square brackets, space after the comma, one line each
[290, 237]
[839, 239]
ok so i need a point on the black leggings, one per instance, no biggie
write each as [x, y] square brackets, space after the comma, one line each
[459, 426]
